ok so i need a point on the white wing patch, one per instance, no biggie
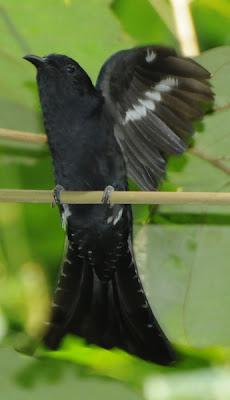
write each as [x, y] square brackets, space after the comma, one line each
[138, 112]
[153, 95]
[65, 215]
[166, 85]
[149, 104]
[150, 56]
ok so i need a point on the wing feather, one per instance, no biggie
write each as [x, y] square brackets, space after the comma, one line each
[155, 96]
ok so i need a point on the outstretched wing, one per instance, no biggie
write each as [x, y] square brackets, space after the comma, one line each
[155, 96]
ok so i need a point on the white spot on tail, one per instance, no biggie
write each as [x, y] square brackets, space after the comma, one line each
[119, 215]
[68, 261]
[109, 219]
[65, 215]
[150, 56]
[59, 289]
[55, 305]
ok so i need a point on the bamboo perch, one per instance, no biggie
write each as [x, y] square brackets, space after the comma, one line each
[46, 196]
[117, 197]
[18, 136]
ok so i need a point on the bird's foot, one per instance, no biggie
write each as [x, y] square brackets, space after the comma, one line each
[107, 193]
[56, 194]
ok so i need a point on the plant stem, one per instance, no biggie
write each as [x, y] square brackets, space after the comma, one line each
[117, 197]
[186, 33]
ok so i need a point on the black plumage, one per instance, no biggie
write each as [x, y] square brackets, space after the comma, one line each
[140, 111]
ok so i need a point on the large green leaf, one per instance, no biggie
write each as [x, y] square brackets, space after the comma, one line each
[84, 30]
[23, 378]
[87, 31]
[142, 21]
[212, 19]
[184, 255]
[186, 266]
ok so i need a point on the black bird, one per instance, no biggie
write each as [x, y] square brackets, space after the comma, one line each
[140, 111]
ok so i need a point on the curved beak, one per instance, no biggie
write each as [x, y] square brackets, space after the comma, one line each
[35, 60]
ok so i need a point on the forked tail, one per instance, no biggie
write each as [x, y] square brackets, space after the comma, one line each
[112, 314]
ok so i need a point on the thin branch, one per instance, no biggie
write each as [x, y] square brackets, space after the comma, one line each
[40, 138]
[219, 108]
[13, 31]
[117, 197]
[212, 160]
[186, 33]
[18, 136]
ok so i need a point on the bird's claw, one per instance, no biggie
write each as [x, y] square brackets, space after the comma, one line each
[56, 194]
[107, 193]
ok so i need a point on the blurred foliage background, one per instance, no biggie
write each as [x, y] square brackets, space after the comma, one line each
[183, 251]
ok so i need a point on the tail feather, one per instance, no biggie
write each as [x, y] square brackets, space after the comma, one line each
[142, 335]
[72, 297]
[109, 314]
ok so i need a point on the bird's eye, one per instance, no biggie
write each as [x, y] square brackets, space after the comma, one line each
[70, 68]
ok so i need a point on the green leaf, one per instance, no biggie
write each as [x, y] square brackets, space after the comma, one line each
[212, 20]
[186, 265]
[142, 21]
[194, 385]
[185, 261]
[23, 378]
[203, 369]
[46, 27]
[114, 364]
[86, 31]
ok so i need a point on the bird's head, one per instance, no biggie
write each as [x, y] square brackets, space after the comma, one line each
[66, 91]
[59, 75]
